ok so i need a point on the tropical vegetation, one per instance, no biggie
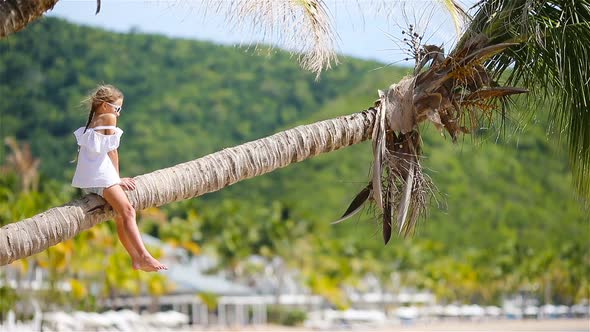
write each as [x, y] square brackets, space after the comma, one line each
[507, 219]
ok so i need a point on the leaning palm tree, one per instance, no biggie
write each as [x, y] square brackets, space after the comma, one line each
[509, 47]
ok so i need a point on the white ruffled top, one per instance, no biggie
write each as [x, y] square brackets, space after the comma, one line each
[95, 168]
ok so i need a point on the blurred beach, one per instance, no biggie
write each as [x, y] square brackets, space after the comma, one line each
[553, 325]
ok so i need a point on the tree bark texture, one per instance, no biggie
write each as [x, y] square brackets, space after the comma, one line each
[16, 14]
[187, 180]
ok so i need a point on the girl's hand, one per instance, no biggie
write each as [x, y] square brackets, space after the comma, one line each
[128, 184]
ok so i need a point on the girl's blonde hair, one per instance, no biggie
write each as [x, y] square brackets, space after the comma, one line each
[104, 93]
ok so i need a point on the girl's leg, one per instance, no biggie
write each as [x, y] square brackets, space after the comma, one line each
[119, 220]
[128, 232]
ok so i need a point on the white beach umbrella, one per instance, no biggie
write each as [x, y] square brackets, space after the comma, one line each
[472, 310]
[581, 310]
[168, 319]
[62, 321]
[493, 311]
[452, 311]
[531, 310]
[549, 310]
[562, 310]
[407, 313]
[435, 310]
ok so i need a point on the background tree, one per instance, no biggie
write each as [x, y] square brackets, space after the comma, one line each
[22, 162]
[454, 92]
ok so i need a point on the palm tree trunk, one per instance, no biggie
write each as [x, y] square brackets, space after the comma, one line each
[16, 14]
[187, 180]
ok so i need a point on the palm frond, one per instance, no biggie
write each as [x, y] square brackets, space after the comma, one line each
[357, 203]
[302, 26]
[305, 26]
[17, 14]
[457, 13]
[551, 59]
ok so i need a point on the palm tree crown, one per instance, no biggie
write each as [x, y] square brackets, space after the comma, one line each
[550, 59]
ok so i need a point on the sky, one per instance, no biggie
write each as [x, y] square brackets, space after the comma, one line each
[374, 35]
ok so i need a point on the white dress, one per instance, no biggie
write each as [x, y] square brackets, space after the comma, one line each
[95, 168]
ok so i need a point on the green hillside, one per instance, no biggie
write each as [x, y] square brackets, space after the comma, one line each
[184, 98]
[505, 202]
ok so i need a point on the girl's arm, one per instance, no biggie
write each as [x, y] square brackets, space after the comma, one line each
[114, 155]
[126, 183]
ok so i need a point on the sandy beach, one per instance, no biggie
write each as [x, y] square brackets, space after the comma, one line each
[555, 325]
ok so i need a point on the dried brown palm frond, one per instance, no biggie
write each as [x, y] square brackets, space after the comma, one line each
[453, 92]
[16, 14]
[303, 26]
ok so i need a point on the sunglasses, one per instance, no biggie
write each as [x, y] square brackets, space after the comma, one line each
[116, 107]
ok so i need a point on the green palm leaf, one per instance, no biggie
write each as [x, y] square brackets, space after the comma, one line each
[551, 60]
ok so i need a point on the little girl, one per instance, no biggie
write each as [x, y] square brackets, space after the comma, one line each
[98, 171]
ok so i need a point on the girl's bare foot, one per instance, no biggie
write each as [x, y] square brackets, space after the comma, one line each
[148, 263]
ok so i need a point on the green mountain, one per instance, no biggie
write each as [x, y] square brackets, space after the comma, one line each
[185, 99]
